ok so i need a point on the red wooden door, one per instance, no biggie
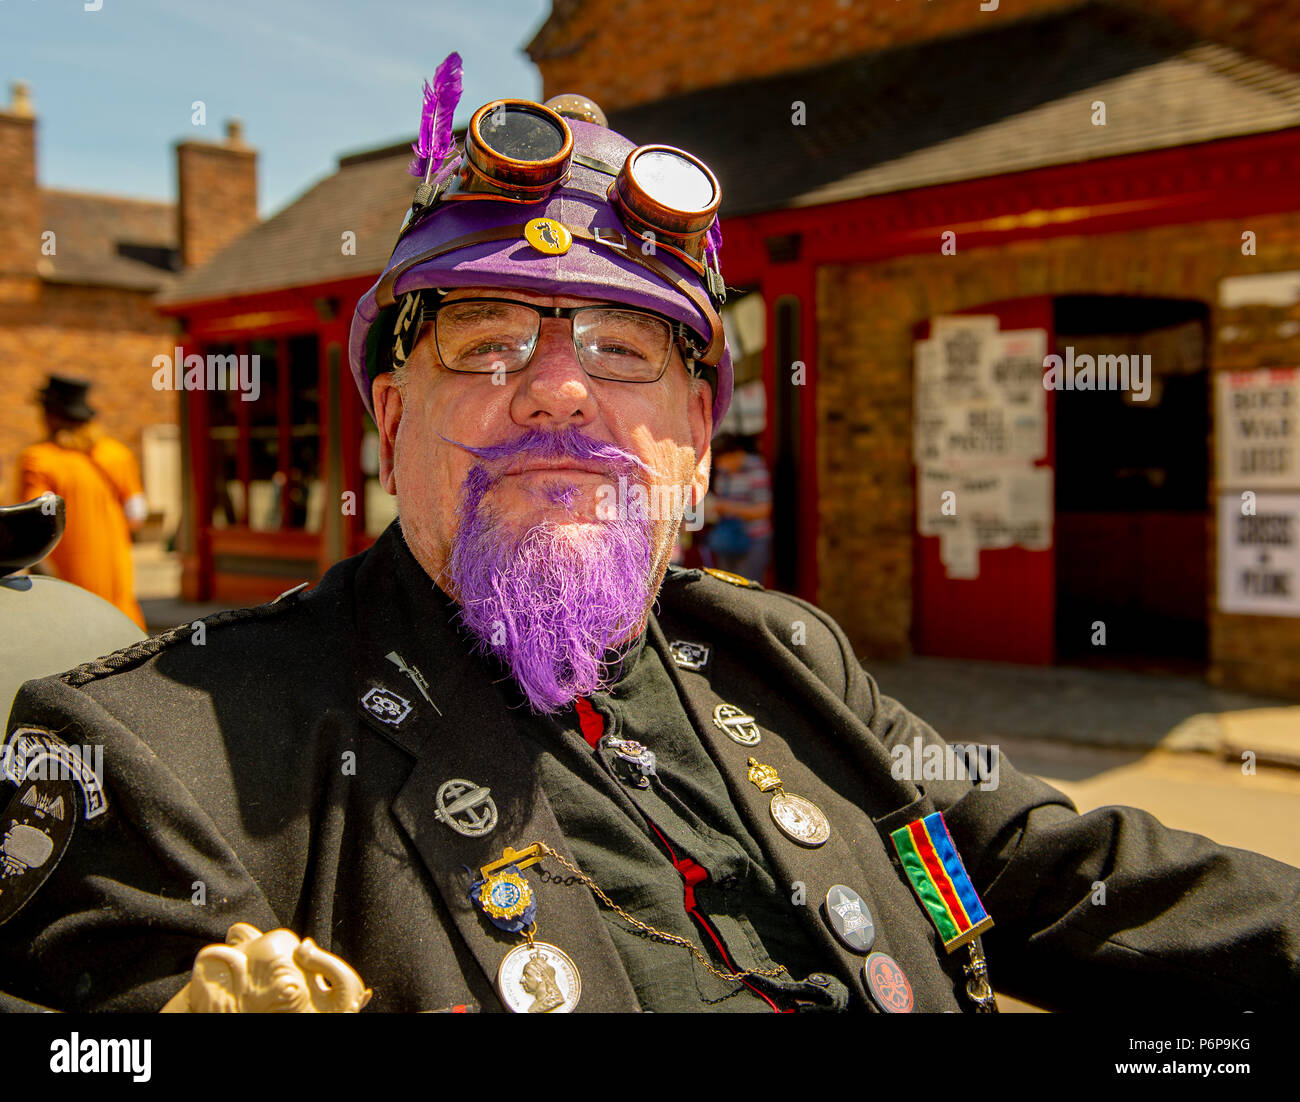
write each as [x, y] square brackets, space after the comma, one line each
[1007, 611]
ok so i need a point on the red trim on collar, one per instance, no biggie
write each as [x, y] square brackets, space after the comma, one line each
[590, 720]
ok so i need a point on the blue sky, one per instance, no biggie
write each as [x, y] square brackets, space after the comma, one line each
[112, 89]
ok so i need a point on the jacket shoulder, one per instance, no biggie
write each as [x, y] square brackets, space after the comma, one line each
[736, 610]
[216, 628]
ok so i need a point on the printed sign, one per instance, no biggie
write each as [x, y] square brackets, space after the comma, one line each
[1259, 555]
[1259, 428]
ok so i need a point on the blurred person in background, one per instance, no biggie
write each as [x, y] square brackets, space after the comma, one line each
[741, 500]
[99, 479]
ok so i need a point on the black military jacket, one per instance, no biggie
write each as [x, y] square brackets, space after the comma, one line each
[277, 767]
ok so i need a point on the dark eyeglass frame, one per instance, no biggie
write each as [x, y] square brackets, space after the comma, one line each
[678, 333]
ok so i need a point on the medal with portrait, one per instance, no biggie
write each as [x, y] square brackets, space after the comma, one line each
[535, 977]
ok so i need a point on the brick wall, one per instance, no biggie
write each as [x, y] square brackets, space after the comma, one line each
[101, 334]
[866, 315]
[216, 190]
[1257, 652]
[624, 52]
[20, 204]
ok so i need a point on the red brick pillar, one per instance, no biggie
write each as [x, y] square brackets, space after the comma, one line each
[216, 194]
[20, 202]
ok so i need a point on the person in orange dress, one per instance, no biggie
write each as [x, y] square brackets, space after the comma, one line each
[99, 479]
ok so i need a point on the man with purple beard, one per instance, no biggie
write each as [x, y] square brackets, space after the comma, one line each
[509, 744]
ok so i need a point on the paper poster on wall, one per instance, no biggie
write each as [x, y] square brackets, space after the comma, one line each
[1259, 554]
[978, 394]
[979, 425]
[971, 511]
[1258, 428]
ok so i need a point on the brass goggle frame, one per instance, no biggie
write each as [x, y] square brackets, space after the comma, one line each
[485, 172]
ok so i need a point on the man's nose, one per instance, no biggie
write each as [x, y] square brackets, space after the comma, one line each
[554, 389]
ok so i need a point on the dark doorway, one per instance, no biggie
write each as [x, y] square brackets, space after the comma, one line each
[785, 458]
[1131, 483]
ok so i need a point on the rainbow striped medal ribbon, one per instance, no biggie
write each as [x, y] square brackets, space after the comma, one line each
[941, 883]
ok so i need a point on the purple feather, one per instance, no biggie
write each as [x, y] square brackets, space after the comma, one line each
[714, 240]
[440, 102]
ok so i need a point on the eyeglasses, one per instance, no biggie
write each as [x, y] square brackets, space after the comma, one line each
[483, 336]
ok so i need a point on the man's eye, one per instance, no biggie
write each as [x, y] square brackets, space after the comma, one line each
[617, 348]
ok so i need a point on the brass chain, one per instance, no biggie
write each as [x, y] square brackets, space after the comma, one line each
[672, 939]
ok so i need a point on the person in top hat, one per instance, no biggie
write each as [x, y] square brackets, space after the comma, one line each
[99, 479]
[508, 752]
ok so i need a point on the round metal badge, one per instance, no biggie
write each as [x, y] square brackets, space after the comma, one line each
[849, 918]
[888, 984]
[801, 820]
[539, 979]
[548, 236]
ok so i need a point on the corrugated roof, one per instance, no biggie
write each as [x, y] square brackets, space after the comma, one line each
[1013, 97]
[108, 241]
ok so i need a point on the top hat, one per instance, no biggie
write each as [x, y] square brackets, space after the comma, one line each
[66, 398]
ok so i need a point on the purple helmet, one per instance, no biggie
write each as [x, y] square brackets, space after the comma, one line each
[471, 243]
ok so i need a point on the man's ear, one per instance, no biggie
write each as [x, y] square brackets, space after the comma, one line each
[701, 417]
[387, 398]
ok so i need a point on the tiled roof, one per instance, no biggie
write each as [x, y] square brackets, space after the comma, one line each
[1014, 97]
[303, 243]
[108, 241]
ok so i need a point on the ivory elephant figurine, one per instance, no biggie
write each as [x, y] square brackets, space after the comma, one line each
[257, 973]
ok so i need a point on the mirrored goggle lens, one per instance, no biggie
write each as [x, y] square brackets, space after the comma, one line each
[612, 344]
[673, 181]
[521, 134]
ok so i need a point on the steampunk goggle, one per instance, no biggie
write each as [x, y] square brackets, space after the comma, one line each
[520, 152]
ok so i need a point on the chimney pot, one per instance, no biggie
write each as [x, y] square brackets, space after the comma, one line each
[235, 133]
[21, 99]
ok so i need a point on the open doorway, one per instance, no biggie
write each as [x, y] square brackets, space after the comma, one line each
[1131, 492]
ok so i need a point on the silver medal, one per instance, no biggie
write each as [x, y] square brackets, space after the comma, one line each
[539, 979]
[801, 820]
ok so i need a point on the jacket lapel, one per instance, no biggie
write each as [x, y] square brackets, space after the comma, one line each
[465, 732]
[854, 854]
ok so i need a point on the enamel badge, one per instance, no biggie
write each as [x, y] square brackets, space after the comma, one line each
[849, 919]
[385, 705]
[888, 984]
[35, 830]
[546, 235]
[687, 655]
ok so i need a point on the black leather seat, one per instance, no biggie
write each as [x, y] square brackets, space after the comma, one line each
[28, 532]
